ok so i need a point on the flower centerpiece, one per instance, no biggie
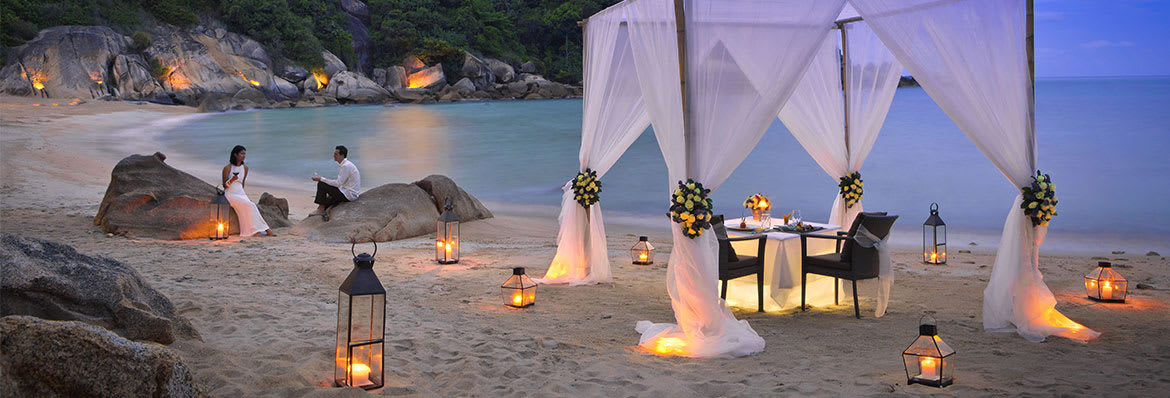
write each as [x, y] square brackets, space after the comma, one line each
[691, 207]
[758, 204]
[1040, 200]
[586, 187]
[851, 189]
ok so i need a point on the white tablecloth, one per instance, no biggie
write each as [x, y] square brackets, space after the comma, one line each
[781, 270]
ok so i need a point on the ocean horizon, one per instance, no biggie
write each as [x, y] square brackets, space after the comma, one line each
[1103, 141]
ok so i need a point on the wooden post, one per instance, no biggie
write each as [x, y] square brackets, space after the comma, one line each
[845, 88]
[681, 25]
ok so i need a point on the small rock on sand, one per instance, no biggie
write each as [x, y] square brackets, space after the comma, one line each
[1153, 254]
[1119, 252]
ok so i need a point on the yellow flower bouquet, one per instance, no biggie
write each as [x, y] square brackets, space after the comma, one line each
[691, 207]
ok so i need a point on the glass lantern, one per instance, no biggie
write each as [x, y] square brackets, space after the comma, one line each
[934, 238]
[1105, 284]
[447, 236]
[219, 216]
[643, 252]
[929, 360]
[361, 325]
[519, 291]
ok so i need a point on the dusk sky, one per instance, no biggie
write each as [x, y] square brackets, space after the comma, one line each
[1102, 37]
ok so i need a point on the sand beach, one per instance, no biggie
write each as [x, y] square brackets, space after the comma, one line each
[266, 307]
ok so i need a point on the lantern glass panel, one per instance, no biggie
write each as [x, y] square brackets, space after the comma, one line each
[447, 242]
[1105, 284]
[519, 291]
[642, 253]
[342, 339]
[934, 244]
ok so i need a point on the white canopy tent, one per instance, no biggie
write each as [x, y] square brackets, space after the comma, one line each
[711, 76]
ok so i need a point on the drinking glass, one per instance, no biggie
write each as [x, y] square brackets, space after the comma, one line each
[796, 217]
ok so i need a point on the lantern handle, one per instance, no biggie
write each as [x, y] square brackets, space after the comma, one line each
[934, 208]
[354, 244]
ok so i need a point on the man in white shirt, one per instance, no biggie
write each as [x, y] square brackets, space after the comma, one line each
[345, 188]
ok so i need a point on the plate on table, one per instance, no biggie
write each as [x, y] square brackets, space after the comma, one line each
[794, 230]
[751, 230]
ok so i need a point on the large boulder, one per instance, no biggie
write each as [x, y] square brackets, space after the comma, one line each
[386, 213]
[333, 64]
[464, 87]
[132, 76]
[274, 210]
[210, 59]
[53, 281]
[294, 74]
[478, 71]
[379, 76]
[63, 62]
[431, 78]
[284, 90]
[72, 359]
[351, 87]
[150, 199]
[251, 94]
[413, 95]
[363, 47]
[395, 77]
[441, 188]
[503, 72]
[412, 64]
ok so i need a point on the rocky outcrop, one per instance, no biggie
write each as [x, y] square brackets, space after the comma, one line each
[430, 78]
[440, 188]
[293, 74]
[134, 81]
[350, 87]
[333, 64]
[528, 67]
[502, 71]
[412, 64]
[358, 14]
[72, 359]
[63, 62]
[150, 199]
[413, 95]
[53, 281]
[386, 213]
[210, 59]
[395, 78]
[392, 212]
[274, 210]
[464, 86]
[477, 71]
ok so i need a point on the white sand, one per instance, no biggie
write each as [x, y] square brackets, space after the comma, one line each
[266, 307]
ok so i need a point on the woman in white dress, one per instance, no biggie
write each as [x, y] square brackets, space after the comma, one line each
[235, 174]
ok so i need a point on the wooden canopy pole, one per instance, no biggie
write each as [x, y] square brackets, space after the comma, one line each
[845, 87]
[688, 137]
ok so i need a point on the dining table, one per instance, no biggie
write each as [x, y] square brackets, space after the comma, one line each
[782, 259]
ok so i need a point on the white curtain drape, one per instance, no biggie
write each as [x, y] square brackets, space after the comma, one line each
[816, 112]
[744, 58]
[613, 116]
[970, 57]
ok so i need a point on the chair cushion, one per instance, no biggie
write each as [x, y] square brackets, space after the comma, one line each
[831, 260]
[744, 262]
[847, 246]
[747, 265]
[725, 249]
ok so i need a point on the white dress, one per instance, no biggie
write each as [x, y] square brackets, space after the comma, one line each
[250, 220]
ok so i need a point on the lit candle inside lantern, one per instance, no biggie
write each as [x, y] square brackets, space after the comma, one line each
[929, 368]
[439, 243]
[1106, 291]
[448, 248]
[219, 230]
[643, 256]
[517, 299]
[359, 372]
[933, 256]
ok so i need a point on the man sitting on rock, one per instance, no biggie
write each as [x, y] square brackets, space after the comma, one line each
[345, 188]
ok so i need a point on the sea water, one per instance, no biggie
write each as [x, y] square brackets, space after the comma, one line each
[1104, 141]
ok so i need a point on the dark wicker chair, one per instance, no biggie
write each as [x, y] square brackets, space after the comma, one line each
[732, 266]
[849, 261]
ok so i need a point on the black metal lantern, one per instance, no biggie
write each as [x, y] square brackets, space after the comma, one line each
[1105, 284]
[519, 291]
[643, 252]
[929, 360]
[447, 236]
[220, 211]
[361, 325]
[934, 238]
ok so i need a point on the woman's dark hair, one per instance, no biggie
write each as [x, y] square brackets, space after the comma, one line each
[232, 157]
[341, 149]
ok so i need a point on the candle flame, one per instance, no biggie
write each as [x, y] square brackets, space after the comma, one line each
[448, 247]
[359, 371]
[517, 299]
[642, 256]
[438, 243]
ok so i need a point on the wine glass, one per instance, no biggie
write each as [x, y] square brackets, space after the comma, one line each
[766, 219]
[796, 217]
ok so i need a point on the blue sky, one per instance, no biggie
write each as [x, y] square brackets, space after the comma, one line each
[1102, 37]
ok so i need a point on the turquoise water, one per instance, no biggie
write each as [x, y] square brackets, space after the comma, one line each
[1104, 141]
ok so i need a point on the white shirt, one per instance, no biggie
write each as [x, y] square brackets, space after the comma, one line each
[348, 180]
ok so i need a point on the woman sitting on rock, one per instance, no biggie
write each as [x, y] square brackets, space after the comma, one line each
[234, 176]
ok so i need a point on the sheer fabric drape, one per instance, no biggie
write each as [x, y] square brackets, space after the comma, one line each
[743, 61]
[614, 115]
[970, 57]
[816, 112]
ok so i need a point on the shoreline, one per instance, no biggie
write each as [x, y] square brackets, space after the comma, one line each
[266, 307]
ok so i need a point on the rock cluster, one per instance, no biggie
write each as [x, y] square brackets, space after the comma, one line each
[148, 198]
[392, 212]
[206, 66]
[54, 281]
